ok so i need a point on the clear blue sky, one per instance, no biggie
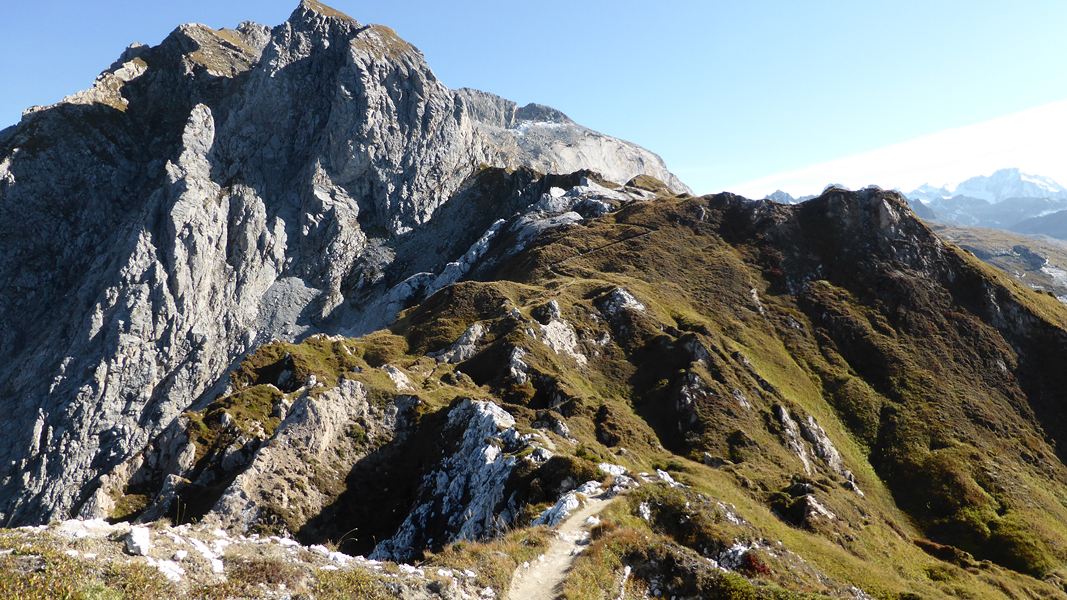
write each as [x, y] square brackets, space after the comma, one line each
[726, 92]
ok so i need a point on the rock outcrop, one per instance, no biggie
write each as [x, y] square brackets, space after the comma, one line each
[459, 498]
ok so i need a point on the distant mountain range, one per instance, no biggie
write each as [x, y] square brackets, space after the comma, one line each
[1008, 199]
[1005, 184]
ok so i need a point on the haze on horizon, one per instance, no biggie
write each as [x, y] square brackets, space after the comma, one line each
[1031, 141]
[745, 97]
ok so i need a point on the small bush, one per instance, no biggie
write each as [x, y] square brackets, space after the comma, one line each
[1013, 544]
[495, 561]
[346, 584]
[39, 573]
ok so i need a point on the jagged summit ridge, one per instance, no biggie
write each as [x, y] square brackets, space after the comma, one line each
[319, 8]
[548, 140]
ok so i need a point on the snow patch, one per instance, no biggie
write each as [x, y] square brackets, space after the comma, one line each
[139, 541]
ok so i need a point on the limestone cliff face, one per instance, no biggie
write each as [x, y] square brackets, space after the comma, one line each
[220, 190]
[545, 139]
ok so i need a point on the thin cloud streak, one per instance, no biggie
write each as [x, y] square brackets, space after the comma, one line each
[1033, 140]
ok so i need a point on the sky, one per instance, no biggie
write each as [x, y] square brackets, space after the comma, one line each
[739, 96]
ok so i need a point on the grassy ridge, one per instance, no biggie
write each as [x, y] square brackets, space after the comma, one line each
[931, 375]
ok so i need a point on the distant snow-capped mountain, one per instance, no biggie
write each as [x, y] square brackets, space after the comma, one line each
[929, 193]
[1010, 183]
[1000, 186]
[782, 197]
[978, 201]
[1007, 199]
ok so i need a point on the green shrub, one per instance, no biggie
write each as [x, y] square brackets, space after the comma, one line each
[1013, 543]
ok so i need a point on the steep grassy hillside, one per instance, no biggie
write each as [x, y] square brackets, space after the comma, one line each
[936, 378]
[824, 399]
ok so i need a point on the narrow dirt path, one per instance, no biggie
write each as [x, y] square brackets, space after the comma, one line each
[543, 578]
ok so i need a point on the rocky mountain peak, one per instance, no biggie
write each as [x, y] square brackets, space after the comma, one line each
[222, 52]
[927, 193]
[228, 187]
[781, 197]
[540, 112]
[314, 24]
[313, 10]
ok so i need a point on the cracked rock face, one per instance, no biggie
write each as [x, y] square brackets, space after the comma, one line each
[222, 189]
[458, 500]
[307, 445]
